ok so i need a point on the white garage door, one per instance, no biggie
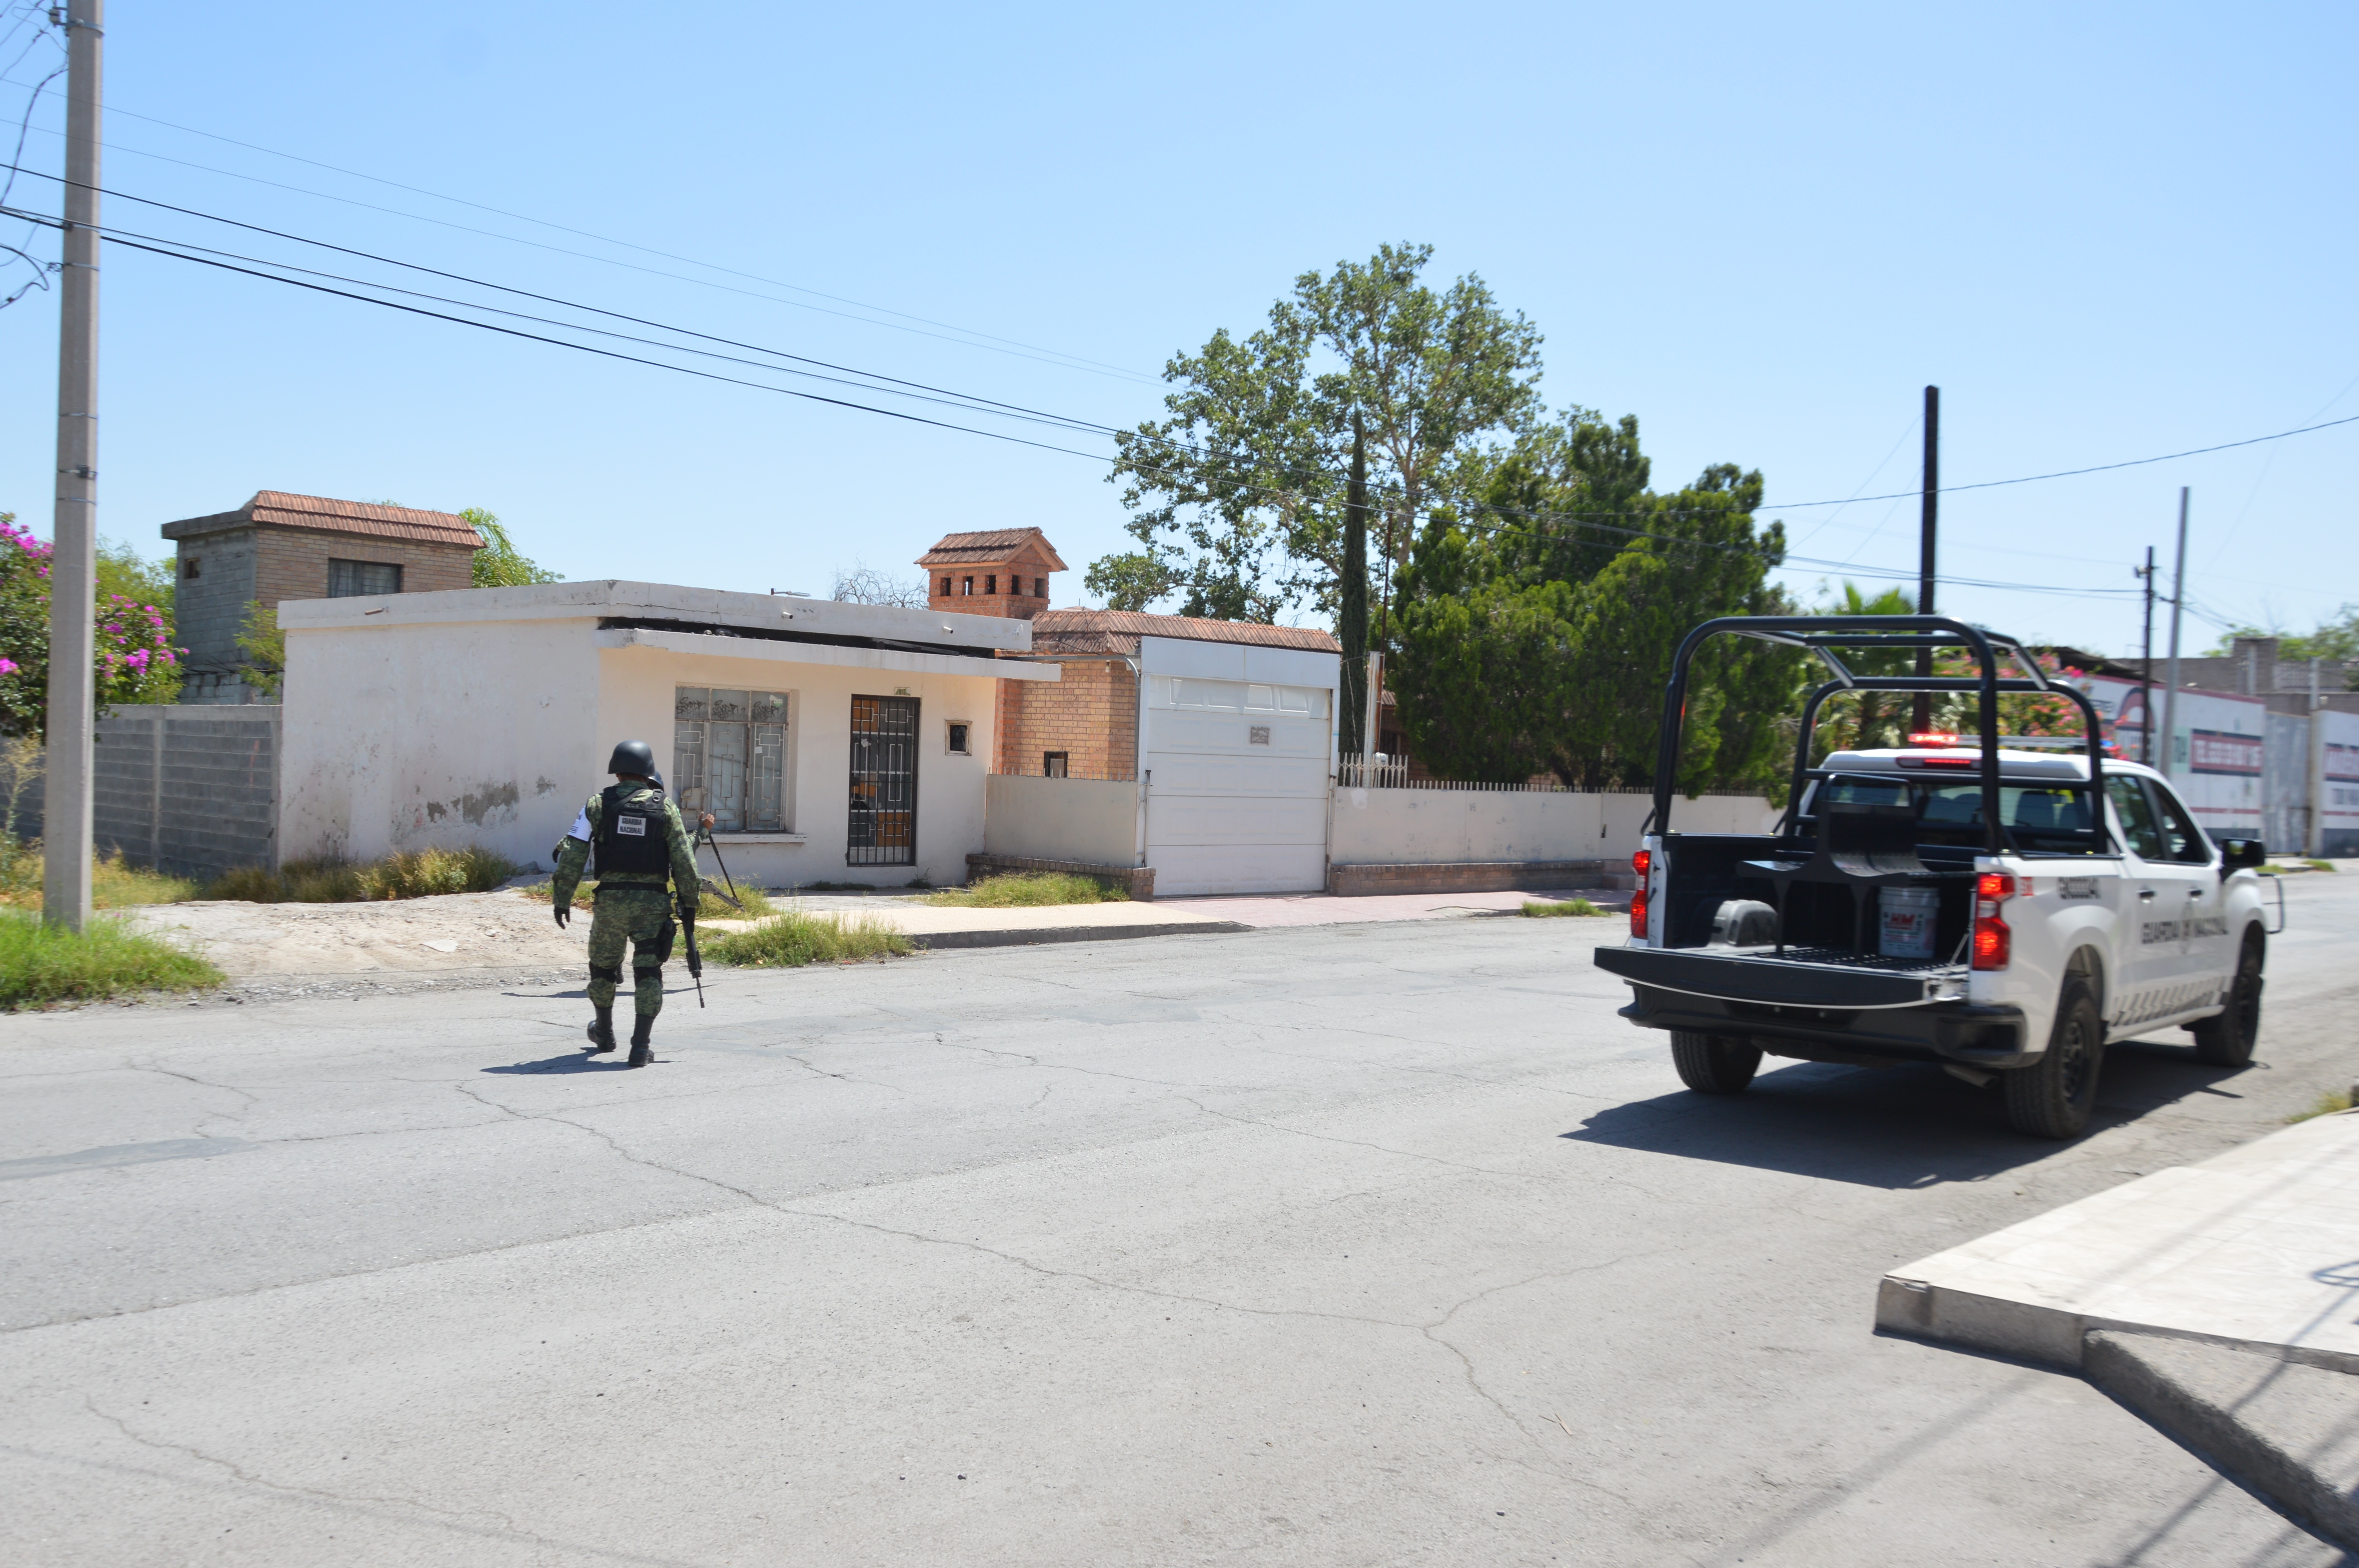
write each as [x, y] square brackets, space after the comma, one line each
[1238, 747]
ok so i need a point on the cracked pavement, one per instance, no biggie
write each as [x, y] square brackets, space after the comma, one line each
[1368, 1245]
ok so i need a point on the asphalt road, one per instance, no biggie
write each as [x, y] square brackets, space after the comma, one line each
[1384, 1244]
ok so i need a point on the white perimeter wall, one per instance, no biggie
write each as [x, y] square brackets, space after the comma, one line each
[404, 736]
[1061, 820]
[634, 701]
[1439, 827]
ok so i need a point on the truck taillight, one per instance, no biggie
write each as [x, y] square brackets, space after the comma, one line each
[1993, 942]
[1639, 912]
[1641, 862]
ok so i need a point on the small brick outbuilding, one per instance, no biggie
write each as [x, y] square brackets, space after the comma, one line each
[279, 546]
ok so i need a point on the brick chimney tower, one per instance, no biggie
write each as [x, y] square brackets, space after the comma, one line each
[1003, 571]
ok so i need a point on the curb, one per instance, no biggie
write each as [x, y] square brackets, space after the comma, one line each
[2280, 1429]
[1024, 936]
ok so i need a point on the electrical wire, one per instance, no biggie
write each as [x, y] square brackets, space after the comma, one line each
[968, 338]
[180, 250]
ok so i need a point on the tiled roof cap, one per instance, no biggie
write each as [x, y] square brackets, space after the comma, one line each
[279, 508]
[990, 546]
[1118, 632]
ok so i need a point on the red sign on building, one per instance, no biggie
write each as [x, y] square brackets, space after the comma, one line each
[2213, 752]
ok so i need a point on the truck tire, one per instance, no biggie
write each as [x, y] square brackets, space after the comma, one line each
[1715, 1064]
[2054, 1096]
[2227, 1039]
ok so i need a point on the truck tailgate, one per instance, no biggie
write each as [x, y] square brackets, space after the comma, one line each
[1816, 978]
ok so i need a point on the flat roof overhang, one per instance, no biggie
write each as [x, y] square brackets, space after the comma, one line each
[900, 660]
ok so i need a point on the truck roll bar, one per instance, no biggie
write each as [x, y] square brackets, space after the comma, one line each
[1825, 633]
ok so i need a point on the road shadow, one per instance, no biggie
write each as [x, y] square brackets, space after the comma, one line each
[1906, 1126]
[572, 1062]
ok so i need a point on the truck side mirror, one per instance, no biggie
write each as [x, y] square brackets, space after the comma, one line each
[2242, 854]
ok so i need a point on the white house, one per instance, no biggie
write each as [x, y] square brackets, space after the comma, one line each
[834, 742]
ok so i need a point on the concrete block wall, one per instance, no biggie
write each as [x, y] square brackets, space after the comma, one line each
[208, 610]
[187, 789]
[1092, 715]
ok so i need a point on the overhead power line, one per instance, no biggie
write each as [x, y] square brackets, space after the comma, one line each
[184, 250]
[972, 337]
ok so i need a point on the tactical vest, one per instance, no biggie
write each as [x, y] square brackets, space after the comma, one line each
[631, 838]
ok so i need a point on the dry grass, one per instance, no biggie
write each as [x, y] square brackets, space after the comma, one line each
[41, 965]
[795, 937]
[1545, 911]
[414, 873]
[709, 906]
[2328, 1104]
[115, 883]
[1030, 890]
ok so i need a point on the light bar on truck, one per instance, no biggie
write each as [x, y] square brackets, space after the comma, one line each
[1933, 737]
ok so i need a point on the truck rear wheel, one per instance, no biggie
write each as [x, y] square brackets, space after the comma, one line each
[2054, 1096]
[2226, 1040]
[1715, 1064]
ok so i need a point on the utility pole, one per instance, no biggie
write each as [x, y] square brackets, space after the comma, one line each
[2145, 691]
[1921, 718]
[73, 567]
[2170, 696]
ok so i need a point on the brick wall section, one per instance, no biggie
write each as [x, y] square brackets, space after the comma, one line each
[1092, 715]
[292, 563]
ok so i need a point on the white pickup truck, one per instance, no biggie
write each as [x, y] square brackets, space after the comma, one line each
[1972, 906]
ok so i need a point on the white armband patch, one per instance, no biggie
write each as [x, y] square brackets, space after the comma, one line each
[580, 829]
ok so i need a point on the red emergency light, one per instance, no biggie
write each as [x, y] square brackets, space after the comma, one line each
[1933, 737]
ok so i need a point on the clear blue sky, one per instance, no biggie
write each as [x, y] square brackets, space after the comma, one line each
[2106, 232]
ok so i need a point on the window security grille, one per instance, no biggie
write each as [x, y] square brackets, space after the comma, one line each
[729, 757]
[883, 829]
[351, 579]
[958, 740]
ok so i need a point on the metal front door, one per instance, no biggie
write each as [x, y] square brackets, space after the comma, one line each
[883, 822]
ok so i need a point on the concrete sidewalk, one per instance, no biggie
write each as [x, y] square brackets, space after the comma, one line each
[2220, 1300]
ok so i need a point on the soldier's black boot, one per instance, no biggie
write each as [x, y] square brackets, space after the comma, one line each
[642, 1025]
[602, 1032]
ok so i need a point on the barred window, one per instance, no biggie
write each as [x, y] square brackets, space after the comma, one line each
[352, 579]
[729, 757]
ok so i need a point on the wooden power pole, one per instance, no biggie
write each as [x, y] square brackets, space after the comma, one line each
[1921, 714]
[73, 567]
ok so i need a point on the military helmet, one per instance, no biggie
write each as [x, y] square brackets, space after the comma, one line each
[633, 757]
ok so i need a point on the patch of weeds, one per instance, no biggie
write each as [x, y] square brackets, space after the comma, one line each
[797, 936]
[114, 882]
[2328, 1104]
[413, 874]
[1540, 910]
[41, 965]
[2319, 865]
[1030, 890]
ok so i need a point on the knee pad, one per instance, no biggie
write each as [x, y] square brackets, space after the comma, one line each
[644, 973]
[609, 972]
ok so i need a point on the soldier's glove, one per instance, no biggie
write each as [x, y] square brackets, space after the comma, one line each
[564, 914]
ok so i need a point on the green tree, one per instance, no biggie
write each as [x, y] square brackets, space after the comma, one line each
[2337, 637]
[499, 564]
[1238, 489]
[264, 643]
[1534, 640]
[1132, 580]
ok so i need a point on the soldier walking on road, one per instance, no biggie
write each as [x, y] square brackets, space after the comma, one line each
[642, 845]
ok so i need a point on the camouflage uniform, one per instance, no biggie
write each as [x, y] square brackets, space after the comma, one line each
[632, 909]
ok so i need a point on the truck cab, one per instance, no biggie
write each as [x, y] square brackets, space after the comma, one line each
[1997, 910]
